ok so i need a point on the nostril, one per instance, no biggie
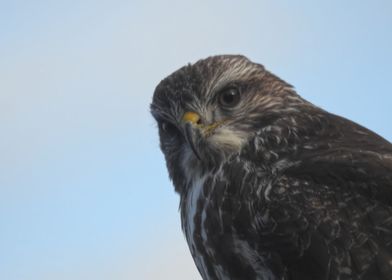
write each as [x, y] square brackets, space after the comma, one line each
[199, 121]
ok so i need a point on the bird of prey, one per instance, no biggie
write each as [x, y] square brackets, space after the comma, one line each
[272, 186]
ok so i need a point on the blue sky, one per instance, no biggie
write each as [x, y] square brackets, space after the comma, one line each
[84, 192]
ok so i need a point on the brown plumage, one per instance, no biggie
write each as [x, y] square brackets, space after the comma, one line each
[271, 186]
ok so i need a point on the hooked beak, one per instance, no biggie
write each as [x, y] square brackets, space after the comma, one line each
[193, 125]
[191, 120]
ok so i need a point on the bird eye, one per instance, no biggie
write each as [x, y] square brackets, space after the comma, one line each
[229, 97]
[168, 127]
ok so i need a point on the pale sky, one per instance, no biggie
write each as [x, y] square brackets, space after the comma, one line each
[84, 192]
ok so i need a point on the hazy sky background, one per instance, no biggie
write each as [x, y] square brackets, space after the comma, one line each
[84, 192]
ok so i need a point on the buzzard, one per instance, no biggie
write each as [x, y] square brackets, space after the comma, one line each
[271, 186]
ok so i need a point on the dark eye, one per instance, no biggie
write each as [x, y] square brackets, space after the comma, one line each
[229, 97]
[168, 127]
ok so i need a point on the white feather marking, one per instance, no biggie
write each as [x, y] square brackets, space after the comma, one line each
[254, 259]
[268, 191]
[194, 194]
[283, 164]
[235, 72]
[226, 137]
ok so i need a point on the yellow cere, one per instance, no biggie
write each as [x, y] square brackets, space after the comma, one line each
[191, 117]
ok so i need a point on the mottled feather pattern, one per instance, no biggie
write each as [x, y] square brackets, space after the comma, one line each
[302, 194]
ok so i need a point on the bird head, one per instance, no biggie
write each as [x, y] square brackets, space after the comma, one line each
[210, 110]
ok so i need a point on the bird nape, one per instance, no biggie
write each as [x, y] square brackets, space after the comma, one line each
[271, 186]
